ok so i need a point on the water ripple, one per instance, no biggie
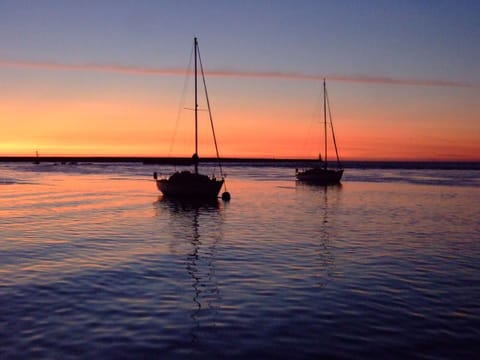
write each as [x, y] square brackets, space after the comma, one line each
[99, 265]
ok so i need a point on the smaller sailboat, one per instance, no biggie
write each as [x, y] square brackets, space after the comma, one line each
[37, 158]
[193, 186]
[323, 174]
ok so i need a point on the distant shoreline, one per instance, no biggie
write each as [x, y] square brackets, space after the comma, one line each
[144, 159]
[372, 164]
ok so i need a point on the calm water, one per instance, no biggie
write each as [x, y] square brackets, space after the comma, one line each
[95, 264]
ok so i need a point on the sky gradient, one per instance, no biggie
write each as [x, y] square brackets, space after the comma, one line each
[109, 77]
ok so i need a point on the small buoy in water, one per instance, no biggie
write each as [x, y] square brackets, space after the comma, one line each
[226, 196]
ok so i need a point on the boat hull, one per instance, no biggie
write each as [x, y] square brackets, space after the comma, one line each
[187, 185]
[320, 176]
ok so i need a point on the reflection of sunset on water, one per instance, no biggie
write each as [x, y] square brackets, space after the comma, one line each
[93, 252]
[62, 214]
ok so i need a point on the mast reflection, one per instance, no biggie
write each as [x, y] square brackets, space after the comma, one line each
[323, 200]
[197, 224]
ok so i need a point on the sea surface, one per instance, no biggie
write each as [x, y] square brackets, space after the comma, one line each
[95, 264]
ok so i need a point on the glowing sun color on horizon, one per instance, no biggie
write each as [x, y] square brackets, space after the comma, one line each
[265, 121]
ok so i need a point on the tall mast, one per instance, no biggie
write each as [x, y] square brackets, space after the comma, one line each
[195, 156]
[325, 122]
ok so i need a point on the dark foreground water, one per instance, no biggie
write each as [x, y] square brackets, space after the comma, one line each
[95, 264]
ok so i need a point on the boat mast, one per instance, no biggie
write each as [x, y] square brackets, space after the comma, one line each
[339, 164]
[195, 155]
[325, 122]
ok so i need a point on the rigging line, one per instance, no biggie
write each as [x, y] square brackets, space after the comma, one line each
[312, 141]
[181, 103]
[333, 132]
[325, 164]
[210, 116]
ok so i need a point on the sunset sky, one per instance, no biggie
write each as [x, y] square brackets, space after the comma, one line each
[108, 77]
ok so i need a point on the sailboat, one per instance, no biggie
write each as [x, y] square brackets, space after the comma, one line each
[322, 174]
[37, 158]
[193, 185]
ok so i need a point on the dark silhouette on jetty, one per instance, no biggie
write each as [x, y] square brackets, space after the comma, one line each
[287, 162]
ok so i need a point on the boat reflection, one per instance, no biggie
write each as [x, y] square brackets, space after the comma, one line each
[197, 230]
[184, 205]
[323, 200]
[312, 185]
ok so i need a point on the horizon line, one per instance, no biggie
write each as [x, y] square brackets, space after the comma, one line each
[233, 73]
[47, 158]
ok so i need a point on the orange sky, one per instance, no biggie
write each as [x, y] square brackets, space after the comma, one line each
[254, 117]
[135, 127]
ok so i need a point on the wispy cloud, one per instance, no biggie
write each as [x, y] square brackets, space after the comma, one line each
[342, 78]
[287, 75]
[125, 69]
